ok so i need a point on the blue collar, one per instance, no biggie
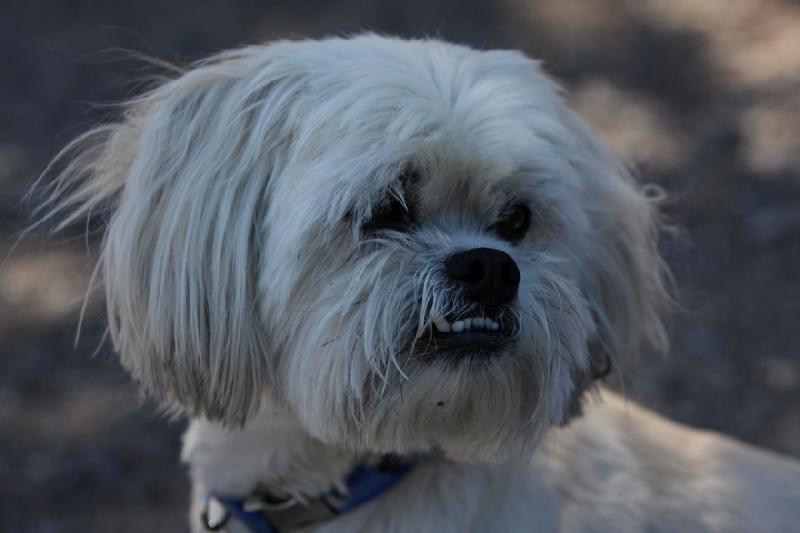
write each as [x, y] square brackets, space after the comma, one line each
[262, 512]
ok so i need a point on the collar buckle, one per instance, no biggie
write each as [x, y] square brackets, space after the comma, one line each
[263, 512]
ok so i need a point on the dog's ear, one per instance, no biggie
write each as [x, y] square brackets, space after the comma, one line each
[625, 279]
[183, 178]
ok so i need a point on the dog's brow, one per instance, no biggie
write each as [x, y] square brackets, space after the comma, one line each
[409, 181]
[405, 186]
[507, 190]
[397, 207]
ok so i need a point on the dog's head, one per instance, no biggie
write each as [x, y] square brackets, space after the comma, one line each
[410, 245]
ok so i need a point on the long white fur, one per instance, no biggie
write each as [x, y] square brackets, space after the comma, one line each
[241, 291]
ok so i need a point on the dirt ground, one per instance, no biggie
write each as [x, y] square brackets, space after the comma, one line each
[701, 95]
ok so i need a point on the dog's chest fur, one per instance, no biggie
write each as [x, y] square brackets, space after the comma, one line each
[617, 468]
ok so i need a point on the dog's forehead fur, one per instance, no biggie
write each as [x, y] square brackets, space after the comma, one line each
[466, 120]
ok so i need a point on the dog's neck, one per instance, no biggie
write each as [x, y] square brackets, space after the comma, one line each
[275, 454]
[271, 452]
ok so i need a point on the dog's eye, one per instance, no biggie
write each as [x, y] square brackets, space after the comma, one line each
[513, 223]
[392, 215]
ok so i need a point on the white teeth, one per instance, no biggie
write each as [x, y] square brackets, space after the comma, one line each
[465, 324]
[441, 323]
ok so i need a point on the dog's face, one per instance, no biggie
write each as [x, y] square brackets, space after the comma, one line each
[410, 245]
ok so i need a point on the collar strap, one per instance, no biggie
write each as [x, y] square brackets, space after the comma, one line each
[262, 512]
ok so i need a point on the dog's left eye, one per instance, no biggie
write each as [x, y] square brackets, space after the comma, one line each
[513, 223]
[392, 215]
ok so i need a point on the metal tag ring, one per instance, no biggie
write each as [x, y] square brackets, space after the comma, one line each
[206, 519]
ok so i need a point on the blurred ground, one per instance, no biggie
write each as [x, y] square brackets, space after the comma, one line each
[702, 95]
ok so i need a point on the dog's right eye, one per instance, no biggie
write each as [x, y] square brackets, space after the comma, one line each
[513, 223]
[391, 215]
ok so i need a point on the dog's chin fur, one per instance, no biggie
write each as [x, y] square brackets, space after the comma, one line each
[241, 273]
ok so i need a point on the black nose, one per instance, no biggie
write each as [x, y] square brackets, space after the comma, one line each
[487, 276]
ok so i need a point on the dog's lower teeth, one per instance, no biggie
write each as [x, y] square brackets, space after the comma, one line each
[465, 324]
[442, 324]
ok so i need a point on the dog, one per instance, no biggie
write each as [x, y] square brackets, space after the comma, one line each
[384, 278]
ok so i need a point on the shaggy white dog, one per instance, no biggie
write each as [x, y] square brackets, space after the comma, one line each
[345, 254]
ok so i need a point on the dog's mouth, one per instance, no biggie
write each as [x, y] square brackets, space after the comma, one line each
[476, 323]
[473, 334]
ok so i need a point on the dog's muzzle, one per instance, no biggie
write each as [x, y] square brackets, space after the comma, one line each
[489, 279]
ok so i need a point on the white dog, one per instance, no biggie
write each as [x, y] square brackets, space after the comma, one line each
[380, 275]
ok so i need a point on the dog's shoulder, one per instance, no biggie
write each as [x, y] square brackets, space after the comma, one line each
[622, 464]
